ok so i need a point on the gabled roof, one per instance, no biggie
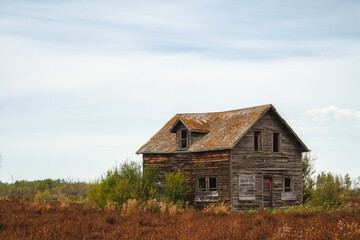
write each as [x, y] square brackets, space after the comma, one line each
[194, 125]
[224, 130]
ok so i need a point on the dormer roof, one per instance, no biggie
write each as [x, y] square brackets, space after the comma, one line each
[224, 130]
[193, 125]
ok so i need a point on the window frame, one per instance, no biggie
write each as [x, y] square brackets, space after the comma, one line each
[278, 141]
[211, 189]
[258, 134]
[207, 184]
[198, 184]
[183, 139]
[291, 187]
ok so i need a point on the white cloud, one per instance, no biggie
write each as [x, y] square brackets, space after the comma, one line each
[331, 113]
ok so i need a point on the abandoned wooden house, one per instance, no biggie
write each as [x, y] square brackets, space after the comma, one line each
[249, 158]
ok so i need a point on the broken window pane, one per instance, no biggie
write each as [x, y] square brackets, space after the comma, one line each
[202, 185]
[287, 184]
[212, 184]
[183, 144]
[183, 139]
[257, 139]
[183, 134]
[276, 139]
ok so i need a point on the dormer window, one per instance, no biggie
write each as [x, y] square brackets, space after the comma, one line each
[188, 132]
[183, 139]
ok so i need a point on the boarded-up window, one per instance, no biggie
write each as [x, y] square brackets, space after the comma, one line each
[276, 142]
[289, 194]
[246, 187]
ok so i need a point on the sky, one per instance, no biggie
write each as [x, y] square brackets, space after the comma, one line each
[83, 84]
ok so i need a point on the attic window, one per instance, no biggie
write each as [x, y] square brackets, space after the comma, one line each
[183, 139]
[276, 142]
[257, 141]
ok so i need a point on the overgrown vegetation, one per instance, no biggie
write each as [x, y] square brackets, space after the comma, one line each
[59, 220]
[175, 187]
[128, 181]
[308, 172]
[46, 189]
[327, 191]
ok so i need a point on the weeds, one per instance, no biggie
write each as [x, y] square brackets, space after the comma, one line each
[62, 220]
[220, 208]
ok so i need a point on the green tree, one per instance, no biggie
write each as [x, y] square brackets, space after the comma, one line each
[308, 171]
[175, 187]
[329, 191]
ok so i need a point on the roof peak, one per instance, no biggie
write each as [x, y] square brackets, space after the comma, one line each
[234, 110]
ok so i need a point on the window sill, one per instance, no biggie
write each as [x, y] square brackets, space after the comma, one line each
[288, 196]
[208, 196]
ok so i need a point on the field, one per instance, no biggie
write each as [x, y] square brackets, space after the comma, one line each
[62, 220]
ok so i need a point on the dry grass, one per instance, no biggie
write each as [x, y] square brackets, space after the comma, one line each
[130, 207]
[58, 220]
[220, 208]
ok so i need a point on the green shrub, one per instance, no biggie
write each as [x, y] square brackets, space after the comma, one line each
[124, 182]
[175, 187]
[43, 196]
[96, 195]
[329, 192]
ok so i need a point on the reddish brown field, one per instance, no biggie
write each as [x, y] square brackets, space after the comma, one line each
[55, 220]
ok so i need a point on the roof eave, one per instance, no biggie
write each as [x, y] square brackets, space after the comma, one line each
[187, 151]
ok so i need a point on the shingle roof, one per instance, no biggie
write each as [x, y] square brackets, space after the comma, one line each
[195, 125]
[224, 129]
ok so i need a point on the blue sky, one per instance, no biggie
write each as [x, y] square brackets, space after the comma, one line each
[83, 84]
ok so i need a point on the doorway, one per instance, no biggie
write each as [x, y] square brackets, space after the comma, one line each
[267, 192]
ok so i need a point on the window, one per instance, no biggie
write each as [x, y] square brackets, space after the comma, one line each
[183, 139]
[207, 184]
[212, 184]
[202, 184]
[276, 142]
[257, 141]
[287, 184]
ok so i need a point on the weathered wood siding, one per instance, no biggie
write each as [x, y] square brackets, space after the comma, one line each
[194, 165]
[266, 163]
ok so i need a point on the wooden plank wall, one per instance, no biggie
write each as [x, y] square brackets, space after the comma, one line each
[201, 164]
[266, 163]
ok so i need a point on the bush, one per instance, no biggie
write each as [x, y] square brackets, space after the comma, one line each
[329, 192]
[97, 195]
[152, 205]
[175, 187]
[43, 196]
[122, 183]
